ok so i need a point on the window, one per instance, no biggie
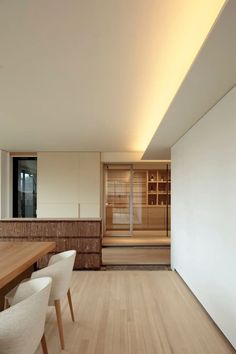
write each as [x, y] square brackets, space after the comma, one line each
[24, 187]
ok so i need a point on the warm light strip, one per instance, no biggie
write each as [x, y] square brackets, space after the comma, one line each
[189, 29]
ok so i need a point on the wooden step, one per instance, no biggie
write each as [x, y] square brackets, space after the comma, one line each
[135, 241]
[136, 255]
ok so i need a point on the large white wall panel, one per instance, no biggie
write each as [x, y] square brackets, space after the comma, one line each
[68, 184]
[203, 212]
[89, 184]
[57, 177]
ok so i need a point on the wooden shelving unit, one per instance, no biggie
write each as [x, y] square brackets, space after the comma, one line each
[158, 187]
[138, 196]
[150, 188]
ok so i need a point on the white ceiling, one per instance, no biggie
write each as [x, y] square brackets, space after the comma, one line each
[93, 75]
[211, 76]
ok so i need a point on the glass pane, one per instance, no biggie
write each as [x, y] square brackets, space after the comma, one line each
[139, 200]
[149, 212]
[150, 194]
[25, 187]
[117, 200]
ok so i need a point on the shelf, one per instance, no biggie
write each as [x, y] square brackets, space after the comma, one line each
[157, 206]
[140, 204]
[145, 192]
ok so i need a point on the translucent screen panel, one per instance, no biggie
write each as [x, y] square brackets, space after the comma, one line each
[139, 189]
[117, 187]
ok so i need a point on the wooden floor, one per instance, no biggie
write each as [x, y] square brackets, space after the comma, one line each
[134, 312]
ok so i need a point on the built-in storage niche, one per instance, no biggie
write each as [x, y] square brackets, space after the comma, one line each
[159, 187]
[137, 198]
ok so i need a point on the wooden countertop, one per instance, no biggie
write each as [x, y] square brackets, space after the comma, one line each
[50, 219]
[16, 257]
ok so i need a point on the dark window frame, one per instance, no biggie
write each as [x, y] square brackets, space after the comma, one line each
[15, 185]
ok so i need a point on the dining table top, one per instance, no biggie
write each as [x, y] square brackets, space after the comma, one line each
[18, 256]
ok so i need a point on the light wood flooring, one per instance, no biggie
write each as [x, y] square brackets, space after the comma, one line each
[134, 312]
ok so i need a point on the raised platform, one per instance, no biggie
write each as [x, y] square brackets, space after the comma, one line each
[115, 241]
[136, 256]
[132, 250]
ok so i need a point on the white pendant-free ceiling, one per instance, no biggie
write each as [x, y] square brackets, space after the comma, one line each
[94, 75]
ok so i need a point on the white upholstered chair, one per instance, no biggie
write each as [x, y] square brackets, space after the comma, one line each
[59, 269]
[22, 325]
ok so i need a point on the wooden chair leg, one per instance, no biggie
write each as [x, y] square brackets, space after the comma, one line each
[71, 306]
[44, 345]
[6, 304]
[57, 304]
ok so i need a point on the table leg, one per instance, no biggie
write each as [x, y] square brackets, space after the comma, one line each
[3, 291]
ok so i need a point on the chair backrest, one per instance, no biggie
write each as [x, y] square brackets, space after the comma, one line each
[60, 270]
[22, 325]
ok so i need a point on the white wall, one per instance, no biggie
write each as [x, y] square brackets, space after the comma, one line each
[204, 212]
[4, 184]
[68, 184]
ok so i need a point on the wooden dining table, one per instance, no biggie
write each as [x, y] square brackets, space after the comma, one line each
[17, 261]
